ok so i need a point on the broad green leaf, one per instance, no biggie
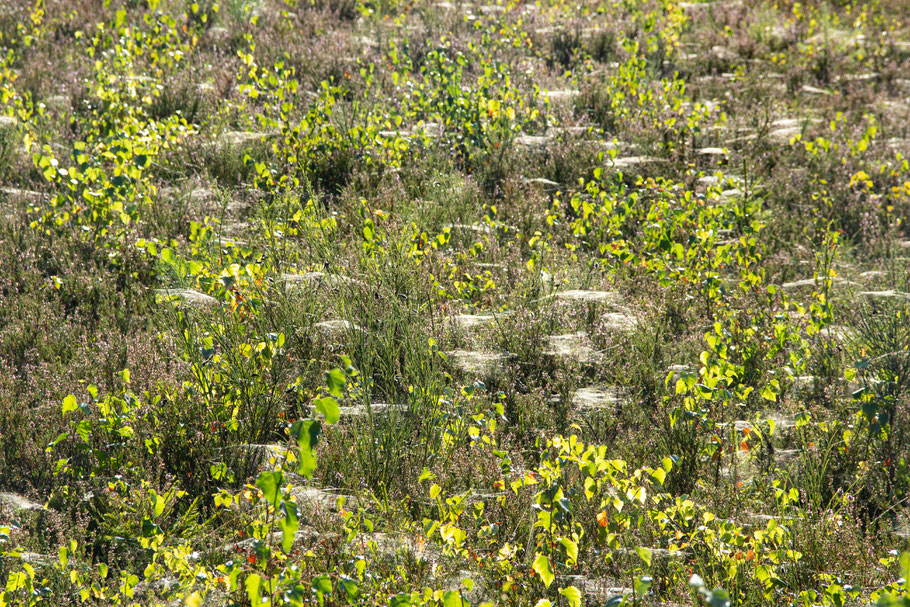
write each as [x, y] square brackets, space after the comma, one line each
[69, 404]
[350, 588]
[905, 567]
[53, 443]
[644, 554]
[642, 584]
[571, 549]
[270, 483]
[328, 406]
[307, 434]
[252, 583]
[541, 566]
[453, 598]
[289, 525]
[572, 594]
[232, 577]
[401, 599]
[322, 587]
[335, 380]
[220, 471]
[159, 505]
[768, 393]
[660, 475]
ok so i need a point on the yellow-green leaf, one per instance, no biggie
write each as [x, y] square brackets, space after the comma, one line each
[644, 554]
[542, 567]
[572, 594]
[69, 404]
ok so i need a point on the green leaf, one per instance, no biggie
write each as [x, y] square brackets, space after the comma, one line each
[350, 588]
[571, 549]
[400, 600]
[572, 594]
[660, 475]
[905, 567]
[236, 570]
[644, 554]
[270, 483]
[307, 434]
[159, 505]
[220, 471]
[322, 587]
[642, 584]
[53, 443]
[335, 380]
[453, 598]
[768, 393]
[289, 525]
[69, 404]
[328, 406]
[252, 583]
[541, 566]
